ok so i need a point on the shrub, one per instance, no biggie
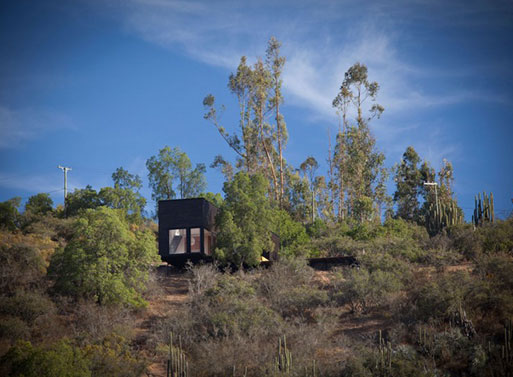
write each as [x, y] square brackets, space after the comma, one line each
[113, 357]
[362, 289]
[498, 237]
[60, 360]
[106, 260]
[441, 297]
[13, 329]
[26, 305]
[229, 308]
[21, 266]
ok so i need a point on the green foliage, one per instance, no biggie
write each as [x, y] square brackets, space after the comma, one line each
[440, 298]
[259, 145]
[123, 198]
[216, 199]
[39, 204]
[123, 179]
[9, 215]
[408, 180]
[113, 357]
[60, 360]
[105, 260]
[499, 237]
[358, 185]
[244, 221]
[292, 234]
[172, 170]
[81, 200]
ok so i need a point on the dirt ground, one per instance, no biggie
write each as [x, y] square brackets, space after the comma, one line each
[171, 296]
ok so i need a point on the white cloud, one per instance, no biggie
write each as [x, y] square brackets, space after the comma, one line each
[20, 125]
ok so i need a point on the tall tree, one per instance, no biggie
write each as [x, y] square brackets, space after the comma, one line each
[172, 169]
[408, 180]
[358, 163]
[259, 143]
[275, 64]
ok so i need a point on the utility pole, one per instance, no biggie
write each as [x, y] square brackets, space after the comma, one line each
[65, 171]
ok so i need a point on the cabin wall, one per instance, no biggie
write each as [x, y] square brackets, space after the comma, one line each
[184, 214]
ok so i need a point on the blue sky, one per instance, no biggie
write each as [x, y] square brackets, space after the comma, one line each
[100, 84]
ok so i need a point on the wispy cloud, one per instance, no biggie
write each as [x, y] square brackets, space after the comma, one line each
[20, 125]
[219, 34]
[31, 183]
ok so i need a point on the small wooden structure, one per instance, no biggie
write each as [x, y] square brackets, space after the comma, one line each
[186, 230]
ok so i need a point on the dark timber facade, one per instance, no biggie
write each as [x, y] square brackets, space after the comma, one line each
[186, 230]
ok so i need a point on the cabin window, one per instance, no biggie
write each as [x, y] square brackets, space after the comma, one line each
[209, 242]
[177, 241]
[195, 240]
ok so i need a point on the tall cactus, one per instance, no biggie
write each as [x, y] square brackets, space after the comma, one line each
[177, 366]
[441, 214]
[284, 357]
[483, 210]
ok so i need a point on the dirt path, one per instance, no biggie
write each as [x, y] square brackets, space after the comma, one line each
[169, 298]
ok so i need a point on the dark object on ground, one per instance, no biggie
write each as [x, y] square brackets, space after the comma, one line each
[329, 262]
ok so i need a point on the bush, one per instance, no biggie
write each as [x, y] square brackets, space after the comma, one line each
[13, 329]
[21, 266]
[498, 237]
[441, 297]
[288, 287]
[60, 360]
[107, 260]
[26, 305]
[362, 289]
[113, 357]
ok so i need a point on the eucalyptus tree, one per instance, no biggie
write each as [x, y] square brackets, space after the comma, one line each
[259, 142]
[358, 164]
[275, 64]
[171, 171]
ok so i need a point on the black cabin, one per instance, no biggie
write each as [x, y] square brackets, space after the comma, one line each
[186, 230]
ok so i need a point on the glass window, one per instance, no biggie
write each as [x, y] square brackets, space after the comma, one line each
[177, 241]
[209, 242]
[195, 240]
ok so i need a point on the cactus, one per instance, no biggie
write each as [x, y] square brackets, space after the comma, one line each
[384, 361]
[284, 358]
[177, 365]
[483, 210]
[440, 215]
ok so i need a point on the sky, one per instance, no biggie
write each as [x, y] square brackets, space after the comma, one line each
[99, 84]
